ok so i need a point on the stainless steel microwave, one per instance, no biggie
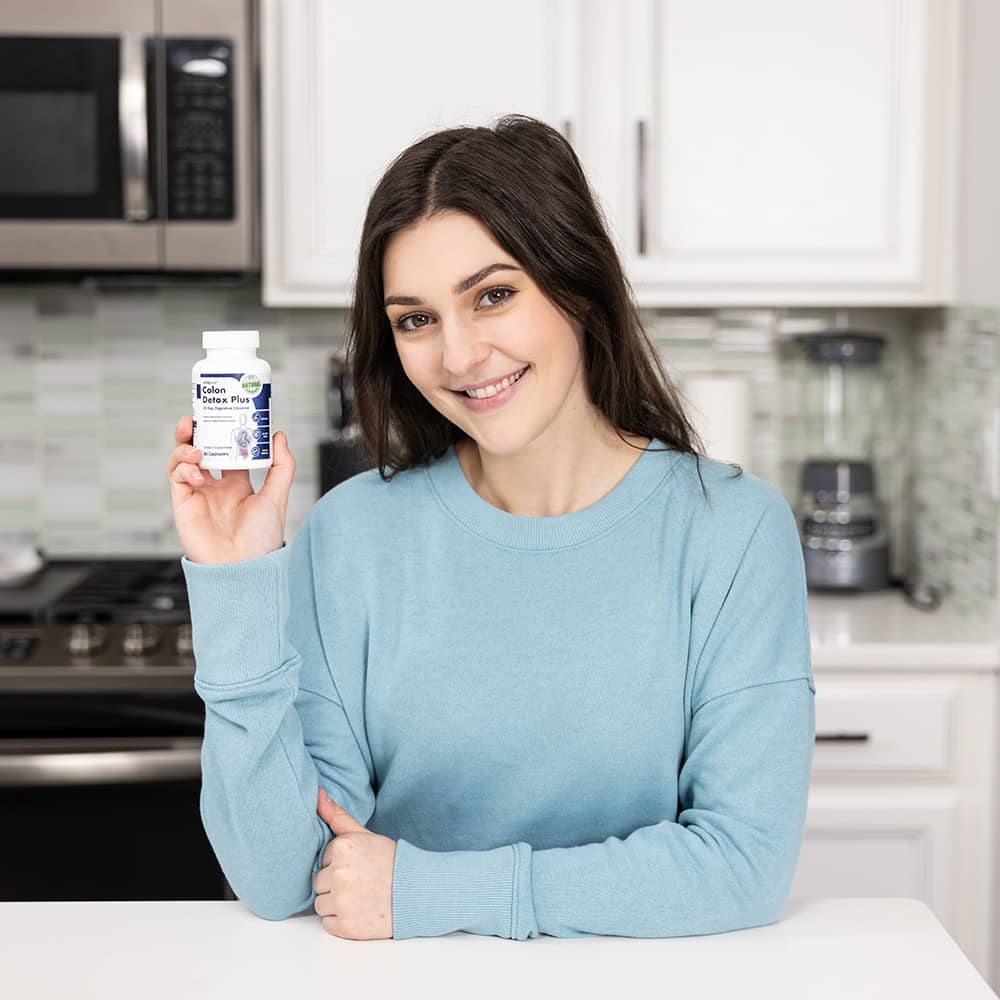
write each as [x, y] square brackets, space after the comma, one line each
[127, 135]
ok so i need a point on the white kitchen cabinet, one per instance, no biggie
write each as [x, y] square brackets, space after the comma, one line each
[779, 152]
[347, 86]
[775, 152]
[903, 796]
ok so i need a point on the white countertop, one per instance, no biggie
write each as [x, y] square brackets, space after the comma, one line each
[821, 948]
[881, 631]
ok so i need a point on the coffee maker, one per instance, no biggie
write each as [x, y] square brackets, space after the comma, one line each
[842, 523]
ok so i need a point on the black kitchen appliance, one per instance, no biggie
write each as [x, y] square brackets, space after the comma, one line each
[343, 454]
[100, 737]
[843, 523]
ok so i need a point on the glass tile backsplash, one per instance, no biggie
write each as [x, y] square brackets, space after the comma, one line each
[95, 380]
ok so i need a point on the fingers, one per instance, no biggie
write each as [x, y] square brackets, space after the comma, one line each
[185, 478]
[184, 431]
[282, 471]
[276, 485]
[186, 472]
[182, 467]
[183, 454]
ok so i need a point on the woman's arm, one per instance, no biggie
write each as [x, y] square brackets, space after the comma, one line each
[728, 860]
[727, 863]
[262, 671]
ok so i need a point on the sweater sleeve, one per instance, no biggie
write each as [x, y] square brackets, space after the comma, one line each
[262, 672]
[729, 859]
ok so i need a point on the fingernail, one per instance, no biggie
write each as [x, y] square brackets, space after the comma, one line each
[198, 475]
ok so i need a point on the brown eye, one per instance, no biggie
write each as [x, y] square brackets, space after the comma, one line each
[510, 293]
[507, 294]
[398, 325]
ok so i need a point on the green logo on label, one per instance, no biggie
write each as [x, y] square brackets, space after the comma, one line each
[250, 384]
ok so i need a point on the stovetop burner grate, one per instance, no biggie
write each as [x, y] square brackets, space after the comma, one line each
[151, 590]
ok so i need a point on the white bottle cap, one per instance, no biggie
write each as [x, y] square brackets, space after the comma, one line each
[232, 339]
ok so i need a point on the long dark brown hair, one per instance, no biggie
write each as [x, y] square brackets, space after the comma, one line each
[522, 180]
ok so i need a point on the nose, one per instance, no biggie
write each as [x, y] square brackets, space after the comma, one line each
[463, 353]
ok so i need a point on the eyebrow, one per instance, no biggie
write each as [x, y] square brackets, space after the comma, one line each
[463, 286]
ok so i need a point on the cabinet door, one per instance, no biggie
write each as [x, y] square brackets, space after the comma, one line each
[903, 794]
[890, 843]
[347, 86]
[784, 150]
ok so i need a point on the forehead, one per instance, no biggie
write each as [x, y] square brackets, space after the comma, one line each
[429, 256]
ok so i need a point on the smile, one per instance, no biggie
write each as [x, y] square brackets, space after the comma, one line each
[483, 403]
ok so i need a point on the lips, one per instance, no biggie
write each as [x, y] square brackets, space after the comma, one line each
[498, 400]
[496, 381]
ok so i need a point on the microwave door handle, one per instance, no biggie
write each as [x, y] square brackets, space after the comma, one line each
[132, 117]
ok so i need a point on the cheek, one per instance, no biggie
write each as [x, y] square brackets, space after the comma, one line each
[418, 368]
[407, 362]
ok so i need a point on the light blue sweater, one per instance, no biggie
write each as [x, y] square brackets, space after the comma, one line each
[600, 722]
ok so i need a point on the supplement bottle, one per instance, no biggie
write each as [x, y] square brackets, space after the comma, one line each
[231, 399]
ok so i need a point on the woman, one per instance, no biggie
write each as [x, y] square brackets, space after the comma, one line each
[545, 670]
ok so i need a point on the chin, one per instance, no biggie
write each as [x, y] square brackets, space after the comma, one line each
[504, 443]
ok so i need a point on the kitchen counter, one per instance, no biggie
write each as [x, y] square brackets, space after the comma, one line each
[880, 630]
[821, 948]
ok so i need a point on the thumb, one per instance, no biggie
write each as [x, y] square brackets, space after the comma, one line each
[336, 818]
[279, 476]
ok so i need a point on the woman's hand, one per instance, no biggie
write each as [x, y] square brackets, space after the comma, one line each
[223, 520]
[354, 886]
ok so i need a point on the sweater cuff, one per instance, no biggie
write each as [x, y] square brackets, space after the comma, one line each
[239, 612]
[481, 892]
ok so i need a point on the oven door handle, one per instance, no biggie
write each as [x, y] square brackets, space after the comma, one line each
[178, 762]
[132, 120]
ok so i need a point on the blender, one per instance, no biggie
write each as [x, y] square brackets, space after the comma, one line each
[842, 523]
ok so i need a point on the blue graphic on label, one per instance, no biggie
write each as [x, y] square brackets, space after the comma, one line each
[232, 416]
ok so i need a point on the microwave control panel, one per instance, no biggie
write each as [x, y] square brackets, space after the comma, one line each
[200, 151]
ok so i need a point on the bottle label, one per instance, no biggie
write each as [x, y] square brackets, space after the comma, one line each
[232, 416]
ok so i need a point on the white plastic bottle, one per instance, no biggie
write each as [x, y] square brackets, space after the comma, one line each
[231, 399]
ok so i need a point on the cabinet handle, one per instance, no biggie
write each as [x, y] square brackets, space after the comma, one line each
[567, 130]
[842, 737]
[641, 183]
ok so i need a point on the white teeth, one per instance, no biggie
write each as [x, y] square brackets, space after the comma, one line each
[492, 390]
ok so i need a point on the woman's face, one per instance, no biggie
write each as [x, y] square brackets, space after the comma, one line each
[454, 333]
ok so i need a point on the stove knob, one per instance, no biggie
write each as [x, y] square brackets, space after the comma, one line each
[140, 639]
[86, 638]
[185, 646]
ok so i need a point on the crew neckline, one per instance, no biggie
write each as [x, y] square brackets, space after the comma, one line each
[457, 496]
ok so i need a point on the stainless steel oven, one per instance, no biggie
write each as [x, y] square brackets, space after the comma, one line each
[100, 737]
[127, 135]
[99, 798]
